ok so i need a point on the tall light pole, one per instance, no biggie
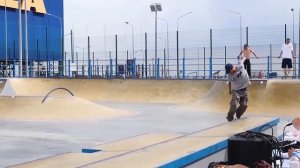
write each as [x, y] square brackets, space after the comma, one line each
[156, 7]
[5, 20]
[293, 25]
[299, 45]
[20, 39]
[241, 38]
[294, 68]
[168, 52]
[26, 41]
[132, 29]
[61, 31]
[177, 33]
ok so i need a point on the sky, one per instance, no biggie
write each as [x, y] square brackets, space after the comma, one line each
[98, 17]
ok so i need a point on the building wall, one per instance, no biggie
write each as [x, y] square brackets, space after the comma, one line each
[44, 32]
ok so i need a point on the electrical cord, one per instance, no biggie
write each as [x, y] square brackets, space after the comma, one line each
[289, 124]
[268, 126]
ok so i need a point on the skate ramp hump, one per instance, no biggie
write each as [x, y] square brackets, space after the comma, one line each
[55, 108]
[149, 91]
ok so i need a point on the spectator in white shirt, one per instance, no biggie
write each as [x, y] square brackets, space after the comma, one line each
[287, 54]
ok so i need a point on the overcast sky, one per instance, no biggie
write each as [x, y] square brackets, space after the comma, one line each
[89, 17]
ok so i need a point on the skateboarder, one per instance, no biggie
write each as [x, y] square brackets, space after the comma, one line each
[238, 87]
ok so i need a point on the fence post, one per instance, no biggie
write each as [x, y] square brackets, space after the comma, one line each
[134, 67]
[69, 65]
[210, 68]
[116, 43]
[211, 54]
[14, 72]
[225, 55]
[89, 69]
[268, 70]
[183, 73]
[204, 62]
[30, 68]
[146, 59]
[110, 68]
[157, 69]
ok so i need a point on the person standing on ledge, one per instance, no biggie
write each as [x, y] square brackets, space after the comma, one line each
[238, 79]
[246, 53]
[287, 54]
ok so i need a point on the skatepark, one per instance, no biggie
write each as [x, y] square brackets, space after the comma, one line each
[128, 122]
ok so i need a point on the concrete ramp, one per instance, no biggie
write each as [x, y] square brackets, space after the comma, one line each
[149, 91]
[280, 97]
[54, 108]
[2, 84]
[283, 96]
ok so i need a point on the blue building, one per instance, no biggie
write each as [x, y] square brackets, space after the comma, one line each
[45, 30]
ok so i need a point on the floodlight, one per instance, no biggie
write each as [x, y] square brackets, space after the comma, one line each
[153, 8]
[158, 7]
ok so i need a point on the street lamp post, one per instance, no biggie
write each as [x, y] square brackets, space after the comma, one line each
[26, 41]
[132, 28]
[293, 25]
[177, 33]
[5, 20]
[241, 38]
[294, 67]
[156, 7]
[61, 33]
[299, 45]
[61, 29]
[20, 39]
[168, 52]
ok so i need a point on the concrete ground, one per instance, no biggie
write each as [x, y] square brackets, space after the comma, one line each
[23, 141]
[107, 110]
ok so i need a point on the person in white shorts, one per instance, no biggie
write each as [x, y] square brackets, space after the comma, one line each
[287, 54]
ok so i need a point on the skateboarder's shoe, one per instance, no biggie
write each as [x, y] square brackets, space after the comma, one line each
[229, 119]
[240, 111]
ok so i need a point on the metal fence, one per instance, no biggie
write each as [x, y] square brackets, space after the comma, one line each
[201, 55]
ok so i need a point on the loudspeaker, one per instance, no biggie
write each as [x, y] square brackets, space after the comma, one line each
[248, 150]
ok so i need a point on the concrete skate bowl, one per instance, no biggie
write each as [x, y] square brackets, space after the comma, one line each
[143, 91]
[279, 97]
[21, 98]
[54, 106]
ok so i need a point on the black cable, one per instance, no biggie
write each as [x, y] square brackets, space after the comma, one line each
[265, 126]
[289, 124]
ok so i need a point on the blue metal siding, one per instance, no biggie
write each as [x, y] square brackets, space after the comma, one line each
[37, 25]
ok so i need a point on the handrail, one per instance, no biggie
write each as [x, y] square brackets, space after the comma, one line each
[55, 90]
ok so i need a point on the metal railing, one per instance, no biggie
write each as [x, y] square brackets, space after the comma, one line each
[190, 68]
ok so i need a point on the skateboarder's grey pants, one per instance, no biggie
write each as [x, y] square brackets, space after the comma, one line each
[241, 97]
